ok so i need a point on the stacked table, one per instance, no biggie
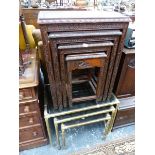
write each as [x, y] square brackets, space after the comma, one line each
[80, 115]
[81, 41]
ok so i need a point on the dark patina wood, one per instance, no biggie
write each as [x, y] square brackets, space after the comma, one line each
[66, 27]
[85, 38]
[125, 80]
[82, 61]
[49, 65]
[82, 48]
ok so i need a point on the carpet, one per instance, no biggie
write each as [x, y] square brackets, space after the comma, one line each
[125, 146]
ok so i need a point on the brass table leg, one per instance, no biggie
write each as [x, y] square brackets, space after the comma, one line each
[106, 130]
[63, 135]
[48, 129]
[57, 132]
[114, 112]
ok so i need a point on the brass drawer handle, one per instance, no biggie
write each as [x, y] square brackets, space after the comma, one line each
[83, 64]
[21, 96]
[31, 120]
[26, 109]
[131, 63]
[35, 133]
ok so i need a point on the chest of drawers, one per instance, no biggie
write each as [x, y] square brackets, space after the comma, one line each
[31, 128]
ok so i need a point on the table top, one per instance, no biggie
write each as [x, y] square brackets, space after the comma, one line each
[80, 17]
[129, 50]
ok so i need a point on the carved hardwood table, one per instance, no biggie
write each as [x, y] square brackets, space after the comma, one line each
[82, 61]
[74, 30]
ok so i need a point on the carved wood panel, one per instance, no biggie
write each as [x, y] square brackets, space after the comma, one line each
[48, 27]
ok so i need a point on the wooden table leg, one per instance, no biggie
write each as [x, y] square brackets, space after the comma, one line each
[56, 73]
[69, 86]
[116, 62]
[99, 88]
[110, 69]
[63, 79]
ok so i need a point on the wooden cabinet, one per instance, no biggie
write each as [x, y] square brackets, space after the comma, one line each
[31, 128]
[125, 80]
[124, 89]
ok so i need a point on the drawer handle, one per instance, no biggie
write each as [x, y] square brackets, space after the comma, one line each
[83, 64]
[31, 120]
[123, 117]
[21, 96]
[35, 133]
[26, 109]
[132, 63]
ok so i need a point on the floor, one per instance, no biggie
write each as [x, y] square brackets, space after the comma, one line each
[80, 138]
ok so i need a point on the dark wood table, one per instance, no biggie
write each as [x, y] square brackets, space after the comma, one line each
[65, 27]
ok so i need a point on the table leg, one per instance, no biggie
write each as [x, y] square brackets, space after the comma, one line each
[106, 130]
[57, 132]
[110, 69]
[63, 135]
[114, 112]
[63, 71]
[48, 130]
[69, 85]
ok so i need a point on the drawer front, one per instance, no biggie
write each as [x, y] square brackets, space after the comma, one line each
[26, 94]
[87, 63]
[28, 107]
[30, 133]
[28, 120]
[125, 117]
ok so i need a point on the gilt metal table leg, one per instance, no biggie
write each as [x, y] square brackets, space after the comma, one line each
[48, 129]
[63, 135]
[106, 130]
[57, 132]
[112, 119]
